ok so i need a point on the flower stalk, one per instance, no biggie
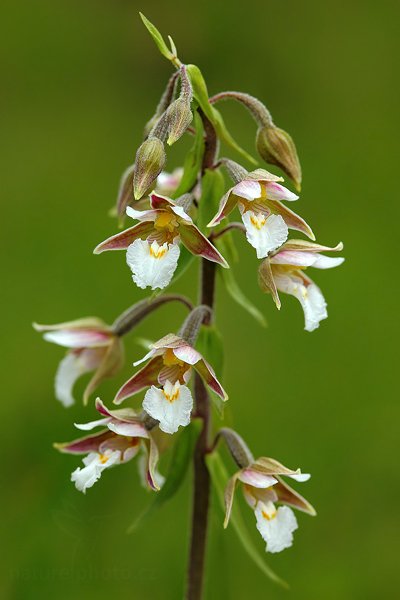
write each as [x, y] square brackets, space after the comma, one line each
[201, 482]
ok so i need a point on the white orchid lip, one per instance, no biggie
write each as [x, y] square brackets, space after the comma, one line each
[152, 265]
[265, 233]
[95, 463]
[308, 294]
[276, 526]
[171, 405]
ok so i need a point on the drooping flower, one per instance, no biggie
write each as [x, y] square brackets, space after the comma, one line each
[263, 487]
[93, 346]
[259, 198]
[122, 438]
[284, 272]
[171, 359]
[153, 244]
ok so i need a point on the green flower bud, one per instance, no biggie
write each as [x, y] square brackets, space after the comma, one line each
[179, 116]
[150, 160]
[276, 147]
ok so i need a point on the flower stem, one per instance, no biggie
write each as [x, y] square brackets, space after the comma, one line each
[136, 313]
[201, 488]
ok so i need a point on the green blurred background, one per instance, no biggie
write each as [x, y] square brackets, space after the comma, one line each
[79, 79]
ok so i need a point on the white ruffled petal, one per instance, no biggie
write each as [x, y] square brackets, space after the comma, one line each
[310, 298]
[95, 464]
[275, 526]
[264, 233]
[152, 265]
[171, 405]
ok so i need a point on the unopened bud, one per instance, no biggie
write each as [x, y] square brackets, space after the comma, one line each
[150, 160]
[178, 117]
[237, 447]
[191, 325]
[276, 147]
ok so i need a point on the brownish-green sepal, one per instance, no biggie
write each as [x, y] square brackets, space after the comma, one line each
[111, 363]
[145, 377]
[288, 495]
[121, 241]
[83, 323]
[306, 246]
[292, 219]
[125, 192]
[86, 444]
[266, 281]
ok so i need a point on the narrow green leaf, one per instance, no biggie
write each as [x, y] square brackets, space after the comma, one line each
[157, 37]
[212, 190]
[219, 477]
[193, 160]
[200, 93]
[236, 293]
[178, 467]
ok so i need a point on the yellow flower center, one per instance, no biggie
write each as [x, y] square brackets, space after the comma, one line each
[103, 458]
[158, 251]
[268, 516]
[166, 220]
[172, 395]
[170, 359]
[258, 220]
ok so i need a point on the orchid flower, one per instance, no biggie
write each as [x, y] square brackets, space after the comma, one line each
[122, 439]
[153, 244]
[170, 359]
[284, 272]
[263, 487]
[168, 370]
[267, 221]
[93, 346]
